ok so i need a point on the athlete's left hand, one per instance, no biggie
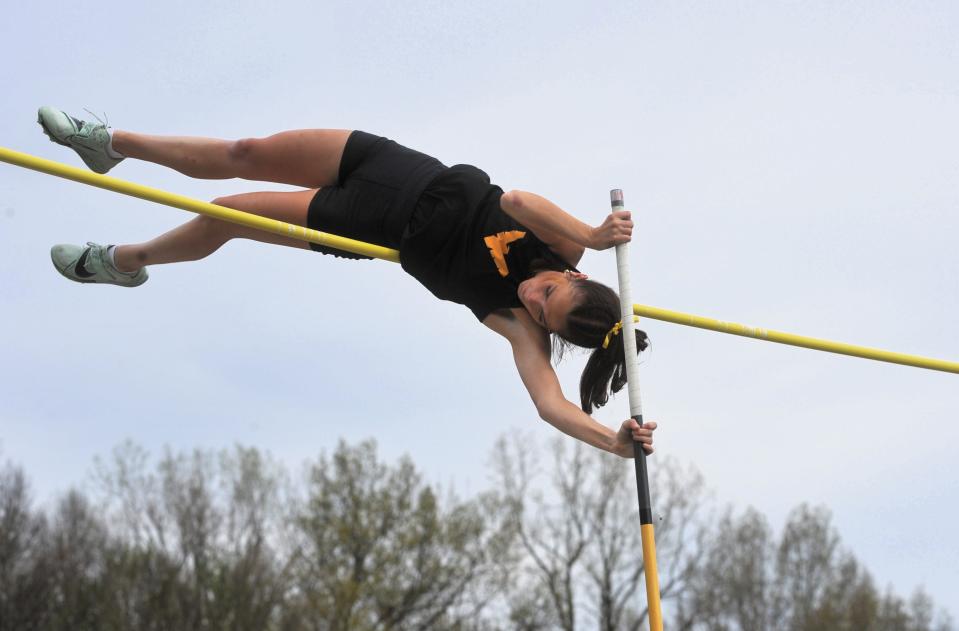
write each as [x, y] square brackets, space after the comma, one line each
[631, 432]
[616, 229]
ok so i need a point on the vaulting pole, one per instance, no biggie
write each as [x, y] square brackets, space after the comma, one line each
[636, 411]
[350, 245]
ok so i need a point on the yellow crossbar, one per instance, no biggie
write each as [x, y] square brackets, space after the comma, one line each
[350, 245]
[779, 337]
[193, 205]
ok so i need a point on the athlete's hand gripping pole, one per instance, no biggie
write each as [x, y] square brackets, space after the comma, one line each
[636, 411]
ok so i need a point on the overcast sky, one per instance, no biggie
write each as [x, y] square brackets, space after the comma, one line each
[790, 165]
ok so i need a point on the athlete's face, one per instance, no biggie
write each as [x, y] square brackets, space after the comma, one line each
[549, 296]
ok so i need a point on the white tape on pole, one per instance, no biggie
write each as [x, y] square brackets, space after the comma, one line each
[626, 314]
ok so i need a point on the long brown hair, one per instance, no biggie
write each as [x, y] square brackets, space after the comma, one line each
[587, 325]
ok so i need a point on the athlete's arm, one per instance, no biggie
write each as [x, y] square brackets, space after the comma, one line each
[531, 354]
[566, 235]
[563, 233]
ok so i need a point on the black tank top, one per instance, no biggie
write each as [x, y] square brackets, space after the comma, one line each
[462, 247]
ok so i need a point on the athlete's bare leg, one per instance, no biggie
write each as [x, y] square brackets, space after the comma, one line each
[307, 157]
[204, 235]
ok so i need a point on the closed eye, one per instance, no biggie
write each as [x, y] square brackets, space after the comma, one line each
[542, 312]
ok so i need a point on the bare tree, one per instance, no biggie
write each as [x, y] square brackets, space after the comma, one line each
[132, 497]
[749, 581]
[202, 529]
[731, 585]
[583, 545]
[553, 545]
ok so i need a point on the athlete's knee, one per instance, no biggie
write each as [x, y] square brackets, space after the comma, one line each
[214, 229]
[243, 152]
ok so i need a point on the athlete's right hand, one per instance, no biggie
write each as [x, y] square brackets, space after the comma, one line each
[630, 432]
[616, 229]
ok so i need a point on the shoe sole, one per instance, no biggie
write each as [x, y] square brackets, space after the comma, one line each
[49, 133]
[74, 278]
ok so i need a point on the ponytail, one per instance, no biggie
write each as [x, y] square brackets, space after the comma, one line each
[605, 372]
[587, 325]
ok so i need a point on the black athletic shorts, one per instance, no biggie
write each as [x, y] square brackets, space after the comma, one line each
[376, 191]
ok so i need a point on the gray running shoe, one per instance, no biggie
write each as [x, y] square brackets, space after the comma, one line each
[90, 140]
[91, 265]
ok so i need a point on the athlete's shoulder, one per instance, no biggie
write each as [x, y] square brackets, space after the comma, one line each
[516, 325]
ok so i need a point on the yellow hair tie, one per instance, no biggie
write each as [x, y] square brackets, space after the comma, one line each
[615, 331]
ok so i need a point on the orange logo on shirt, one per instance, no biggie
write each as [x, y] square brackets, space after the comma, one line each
[498, 245]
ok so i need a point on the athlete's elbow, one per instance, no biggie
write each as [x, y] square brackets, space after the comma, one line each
[511, 200]
[546, 410]
[542, 413]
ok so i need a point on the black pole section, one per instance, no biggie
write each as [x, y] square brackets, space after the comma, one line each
[642, 480]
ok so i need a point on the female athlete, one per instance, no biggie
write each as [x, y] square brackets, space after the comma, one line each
[509, 257]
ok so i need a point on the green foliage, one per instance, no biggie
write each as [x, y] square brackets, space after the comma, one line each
[204, 541]
[24, 564]
[379, 552]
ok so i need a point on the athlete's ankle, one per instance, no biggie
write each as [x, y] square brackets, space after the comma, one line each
[123, 260]
[121, 142]
[112, 150]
